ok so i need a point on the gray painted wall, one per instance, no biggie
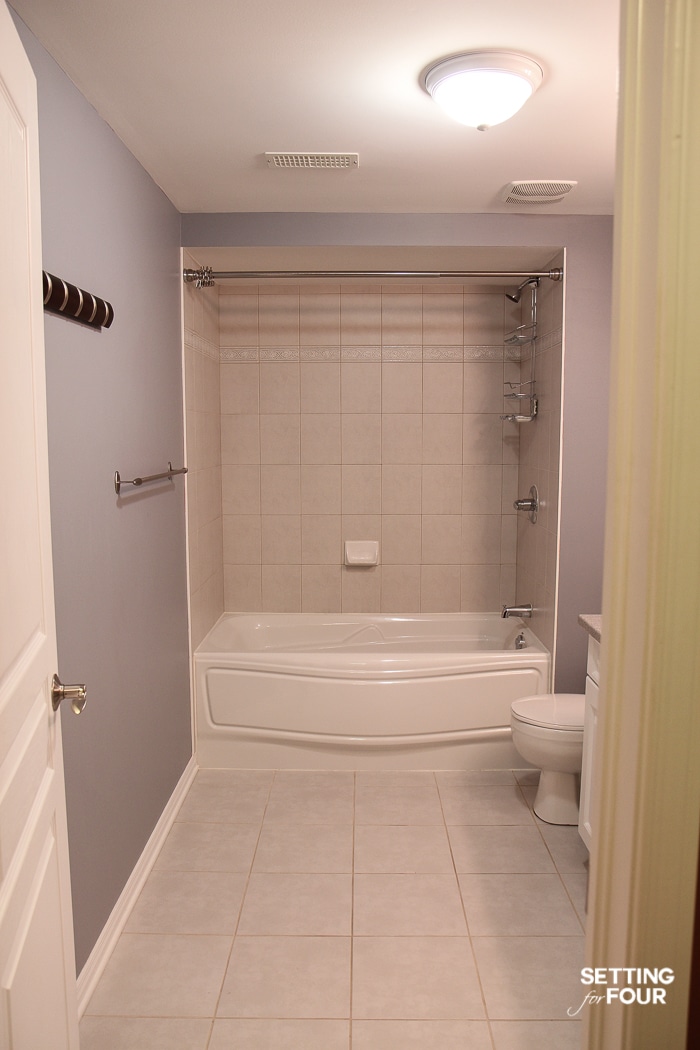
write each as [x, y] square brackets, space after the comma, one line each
[115, 402]
[588, 243]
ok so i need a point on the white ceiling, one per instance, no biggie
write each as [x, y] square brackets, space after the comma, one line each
[199, 91]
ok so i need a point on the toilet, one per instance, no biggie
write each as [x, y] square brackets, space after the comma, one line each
[548, 732]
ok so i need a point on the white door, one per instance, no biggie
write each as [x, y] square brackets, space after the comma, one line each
[38, 1009]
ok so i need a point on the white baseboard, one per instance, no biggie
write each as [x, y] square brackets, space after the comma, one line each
[106, 942]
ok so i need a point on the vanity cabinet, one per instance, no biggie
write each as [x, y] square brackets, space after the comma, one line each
[590, 728]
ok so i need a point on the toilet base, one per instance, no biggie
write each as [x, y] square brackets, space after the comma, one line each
[556, 801]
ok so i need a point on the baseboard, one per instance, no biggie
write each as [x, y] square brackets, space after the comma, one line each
[106, 942]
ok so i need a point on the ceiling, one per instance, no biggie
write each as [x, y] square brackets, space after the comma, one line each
[199, 92]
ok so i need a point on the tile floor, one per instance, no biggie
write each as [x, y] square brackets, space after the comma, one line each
[351, 911]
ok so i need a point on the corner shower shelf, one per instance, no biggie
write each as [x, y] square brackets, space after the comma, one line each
[524, 393]
[524, 333]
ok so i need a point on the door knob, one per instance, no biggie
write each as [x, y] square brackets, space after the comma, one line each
[77, 694]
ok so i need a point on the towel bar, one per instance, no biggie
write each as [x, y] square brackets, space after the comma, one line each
[169, 473]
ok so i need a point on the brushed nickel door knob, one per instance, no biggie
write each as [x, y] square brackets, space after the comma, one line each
[77, 694]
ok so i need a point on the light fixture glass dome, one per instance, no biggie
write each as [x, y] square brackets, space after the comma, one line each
[482, 88]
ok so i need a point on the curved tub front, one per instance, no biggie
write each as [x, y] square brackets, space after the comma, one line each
[361, 691]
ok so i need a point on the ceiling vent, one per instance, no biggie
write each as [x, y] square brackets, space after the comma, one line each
[544, 191]
[326, 161]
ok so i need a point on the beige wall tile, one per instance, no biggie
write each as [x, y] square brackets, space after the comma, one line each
[442, 438]
[320, 489]
[360, 387]
[278, 320]
[320, 588]
[360, 590]
[482, 488]
[279, 387]
[482, 435]
[443, 319]
[480, 588]
[238, 319]
[362, 488]
[484, 318]
[442, 489]
[401, 489]
[402, 387]
[320, 437]
[483, 387]
[360, 318]
[442, 387]
[440, 588]
[481, 539]
[319, 319]
[362, 437]
[281, 588]
[242, 588]
[280, 489]
[242, 539]
[240, 387]
[240, 488]
[400, 591]
[441, 539]
[402, 437]
[281, 539]
[280, 440]
[402, 318]
[320, 539]
[320, 387]
[240, 439]
[362, 527]
[401, 539]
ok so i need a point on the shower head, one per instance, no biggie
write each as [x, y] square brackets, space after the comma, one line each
[515, 296]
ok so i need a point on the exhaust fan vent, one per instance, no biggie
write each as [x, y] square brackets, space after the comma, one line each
[327, 161]
[545, 191]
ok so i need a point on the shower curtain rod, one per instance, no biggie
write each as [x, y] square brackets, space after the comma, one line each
[205, 277]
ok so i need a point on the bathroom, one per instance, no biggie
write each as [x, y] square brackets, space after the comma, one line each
[115, 402]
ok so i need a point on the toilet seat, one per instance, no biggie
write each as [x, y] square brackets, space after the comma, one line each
[551, 710]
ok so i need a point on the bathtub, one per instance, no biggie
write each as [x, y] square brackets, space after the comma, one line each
[362, 691]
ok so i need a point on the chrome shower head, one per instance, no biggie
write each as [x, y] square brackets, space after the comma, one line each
[515, 296]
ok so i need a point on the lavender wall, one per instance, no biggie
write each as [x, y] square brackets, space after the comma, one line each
[587, 240]
[115, 402]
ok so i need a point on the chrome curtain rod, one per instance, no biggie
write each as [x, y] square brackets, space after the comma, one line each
[205, 277]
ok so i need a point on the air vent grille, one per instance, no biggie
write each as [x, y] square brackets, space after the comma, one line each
[544, 191]
[326, 161]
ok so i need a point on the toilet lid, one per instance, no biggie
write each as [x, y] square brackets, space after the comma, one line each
[553, 710]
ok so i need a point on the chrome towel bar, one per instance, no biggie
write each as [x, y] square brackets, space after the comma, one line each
[169, 473]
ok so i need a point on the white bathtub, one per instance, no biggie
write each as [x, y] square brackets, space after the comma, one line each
[362, 691]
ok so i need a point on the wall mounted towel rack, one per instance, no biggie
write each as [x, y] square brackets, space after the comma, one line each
[75, 303]
[169, 473]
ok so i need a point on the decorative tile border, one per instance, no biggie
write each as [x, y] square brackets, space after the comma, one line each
[360, 353]
[279, 353]
[319, 353]
[402, 353]
[239, 353]
[201, 345]
[443, 353]
[549, 340]
[487, 353]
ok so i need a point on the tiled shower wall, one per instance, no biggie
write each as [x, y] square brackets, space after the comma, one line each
[203, 437]
[539, 463]
[362, 412]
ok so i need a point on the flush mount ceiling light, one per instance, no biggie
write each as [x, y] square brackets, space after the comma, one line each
[483, 88]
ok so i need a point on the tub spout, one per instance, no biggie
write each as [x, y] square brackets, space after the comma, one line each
[516, 610]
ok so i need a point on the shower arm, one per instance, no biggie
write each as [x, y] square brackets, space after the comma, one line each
[206, 276]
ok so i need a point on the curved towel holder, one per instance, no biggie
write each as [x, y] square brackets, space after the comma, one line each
[72, 302]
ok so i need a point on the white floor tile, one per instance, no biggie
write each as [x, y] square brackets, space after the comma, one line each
[307, 905]
[536, 1035]
[518, 906]
[385, 848]
[397, 798]
[322, 848]
[188, 902]
[408, 905]
[483, 804]
[311, 798]
[530, 978]
[415, 978]
[208, 847]
[152, 975]
[249, 1034]
[278, 977]
[499, 849]
[421, 1035]
[144, 1033]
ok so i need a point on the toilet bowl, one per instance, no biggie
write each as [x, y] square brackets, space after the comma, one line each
[548, 732]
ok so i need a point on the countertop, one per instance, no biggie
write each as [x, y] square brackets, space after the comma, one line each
[592, 624]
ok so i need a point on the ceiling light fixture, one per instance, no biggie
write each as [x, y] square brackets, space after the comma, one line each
[483, 88]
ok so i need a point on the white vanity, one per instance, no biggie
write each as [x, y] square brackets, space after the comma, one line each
[592, 624]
